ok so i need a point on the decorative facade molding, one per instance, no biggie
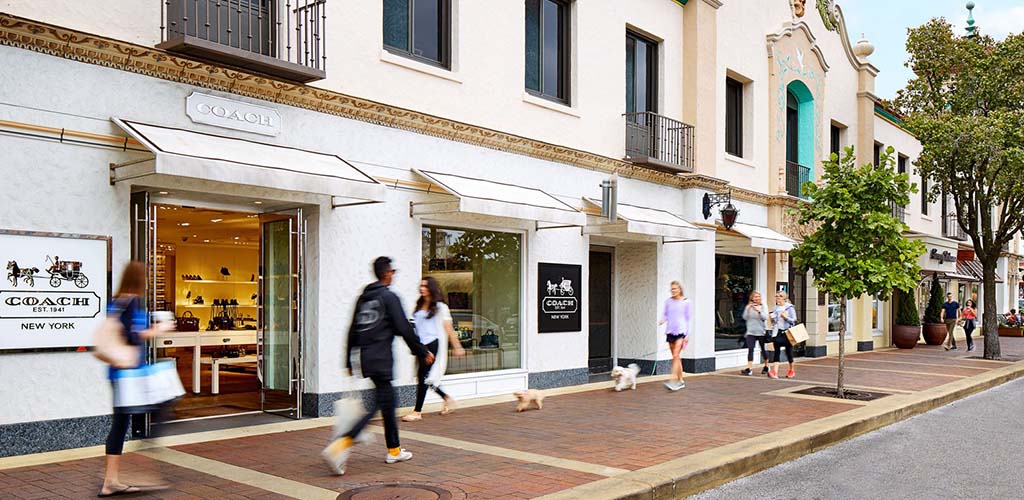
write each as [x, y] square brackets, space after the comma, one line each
[91, 49]
[787, 30]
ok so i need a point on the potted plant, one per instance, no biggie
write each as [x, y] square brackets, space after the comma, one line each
[908, 323]
[934, 329]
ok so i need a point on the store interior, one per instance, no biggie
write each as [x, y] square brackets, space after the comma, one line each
[207, 272]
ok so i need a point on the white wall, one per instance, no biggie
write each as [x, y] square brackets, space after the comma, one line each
[890, 135]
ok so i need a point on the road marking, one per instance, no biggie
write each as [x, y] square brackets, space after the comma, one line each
[561, 463]
[274, 484]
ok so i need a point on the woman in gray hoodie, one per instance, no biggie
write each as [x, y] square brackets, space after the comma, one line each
[755, 318]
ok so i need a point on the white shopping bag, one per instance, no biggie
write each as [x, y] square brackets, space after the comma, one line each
[147, 385]
[347, 411]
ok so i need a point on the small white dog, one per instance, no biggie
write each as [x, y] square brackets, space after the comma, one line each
[625, 377]
[527, 398]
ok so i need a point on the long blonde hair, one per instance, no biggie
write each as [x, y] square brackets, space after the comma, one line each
[682, 292]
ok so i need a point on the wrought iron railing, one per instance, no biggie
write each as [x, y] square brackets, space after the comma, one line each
[291, 31]
[796, 176]
[899, 212]
[659, 141]
[951, 229]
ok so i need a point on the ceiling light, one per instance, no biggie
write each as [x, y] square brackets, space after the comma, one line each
[163, 192]
[206, 241]
[258, 202]
[195, 236]
[184, 224]
[216, 220]
[236, 237]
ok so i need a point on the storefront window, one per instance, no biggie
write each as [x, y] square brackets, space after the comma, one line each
[480, 276]
[734, 280]
[877, 316]
[834, 317]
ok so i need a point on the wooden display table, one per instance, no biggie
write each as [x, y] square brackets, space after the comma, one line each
[198, 340]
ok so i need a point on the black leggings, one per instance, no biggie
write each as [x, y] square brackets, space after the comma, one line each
[421, 377]
[782, 341]
[385, 401]
[753, 341]
[120, 422]
[969, 329]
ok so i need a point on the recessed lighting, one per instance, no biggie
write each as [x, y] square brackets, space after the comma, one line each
[163, 192]
[206, 241]
[216, 220]
[258, 202]
[195, 236]
[184, 224]
[236, 237]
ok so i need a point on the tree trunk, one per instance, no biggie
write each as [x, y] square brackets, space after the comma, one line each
[840, 390]
[989, 321]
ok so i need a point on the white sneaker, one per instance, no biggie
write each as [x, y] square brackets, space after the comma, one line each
[401, 457]
[335, 458]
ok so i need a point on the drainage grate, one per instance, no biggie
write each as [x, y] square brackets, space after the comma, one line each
[394, 491]
[852, 394]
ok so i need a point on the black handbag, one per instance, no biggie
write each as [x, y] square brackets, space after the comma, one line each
[188, 322]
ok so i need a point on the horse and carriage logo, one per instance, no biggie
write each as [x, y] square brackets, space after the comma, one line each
[560, 299]
[562, 288]
[59, 271]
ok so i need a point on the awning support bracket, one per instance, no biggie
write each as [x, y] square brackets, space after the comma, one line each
[537, 226]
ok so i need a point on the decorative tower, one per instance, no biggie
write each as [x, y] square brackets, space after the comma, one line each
[972, 30]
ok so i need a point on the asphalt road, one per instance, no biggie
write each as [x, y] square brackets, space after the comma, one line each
[971, 449]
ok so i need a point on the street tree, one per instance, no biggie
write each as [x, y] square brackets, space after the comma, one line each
[965, 104]
[857, 246]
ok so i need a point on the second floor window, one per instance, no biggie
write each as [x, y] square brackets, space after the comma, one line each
[733, 117]
[547, 48]
[924, 195]
[641, 74]
[876, 154]
[835, 140]
[419, 29]
[901, 164]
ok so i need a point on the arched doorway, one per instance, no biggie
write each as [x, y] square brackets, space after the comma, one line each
[799, 136]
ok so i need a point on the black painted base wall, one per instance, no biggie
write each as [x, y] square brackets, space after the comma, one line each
[865, 345]
[51, 435]
[816, 351]
[664, 366]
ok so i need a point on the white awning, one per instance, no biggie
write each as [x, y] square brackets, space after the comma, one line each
[633, 219]
[199, 155]
[478, 196]
[763, 237]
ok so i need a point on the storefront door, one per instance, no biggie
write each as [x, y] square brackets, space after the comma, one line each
[600, 308]
[279, 337]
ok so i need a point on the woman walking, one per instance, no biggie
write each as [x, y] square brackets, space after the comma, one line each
[434, 328]
[676, 315]
[126, 307]
[970, 316]
[755, 318]
[784, 318]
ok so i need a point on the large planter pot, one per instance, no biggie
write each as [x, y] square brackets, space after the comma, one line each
[934, 333]
[1010, 331]
[905, 337]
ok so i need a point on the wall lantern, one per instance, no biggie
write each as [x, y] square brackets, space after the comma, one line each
[728, 212]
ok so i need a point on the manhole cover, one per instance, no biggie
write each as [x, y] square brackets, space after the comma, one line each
[852, 394]
[397, 491]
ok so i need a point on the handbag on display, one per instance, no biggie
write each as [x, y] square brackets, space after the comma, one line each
[188, 322]
[797, 334]
[147, 386]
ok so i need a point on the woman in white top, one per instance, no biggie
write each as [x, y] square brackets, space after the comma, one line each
[434, 328]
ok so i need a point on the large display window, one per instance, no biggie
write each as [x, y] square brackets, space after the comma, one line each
[480, 273]
[734, 281]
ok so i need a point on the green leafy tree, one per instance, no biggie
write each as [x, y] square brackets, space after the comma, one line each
[858, 247]
[966, 107]
[933, 313]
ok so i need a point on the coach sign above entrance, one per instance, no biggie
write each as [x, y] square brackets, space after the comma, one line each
[228, 113]
[560, 297]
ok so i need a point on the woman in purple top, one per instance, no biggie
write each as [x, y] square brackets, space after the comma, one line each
[677, 316]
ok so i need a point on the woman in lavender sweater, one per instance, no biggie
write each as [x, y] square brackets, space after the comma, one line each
[676, 314]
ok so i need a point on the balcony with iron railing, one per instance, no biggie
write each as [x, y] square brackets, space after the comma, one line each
[796, 176]
[659, 142]
[281, 38]
[951, 229]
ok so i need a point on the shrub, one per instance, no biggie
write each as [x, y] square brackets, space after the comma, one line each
[933, 313]
[907, 314]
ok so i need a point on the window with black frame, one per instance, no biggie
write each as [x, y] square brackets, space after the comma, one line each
[734, 281]
[733, 117]
[547, 49]
[641, 74]
[419, 29]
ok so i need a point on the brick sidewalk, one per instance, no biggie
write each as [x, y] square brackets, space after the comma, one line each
[492, 452]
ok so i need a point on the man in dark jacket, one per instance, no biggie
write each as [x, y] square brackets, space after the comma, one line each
[378, 319]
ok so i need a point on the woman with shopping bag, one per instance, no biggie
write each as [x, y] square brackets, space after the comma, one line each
[137, 387]
[784, 318]
[434, 328]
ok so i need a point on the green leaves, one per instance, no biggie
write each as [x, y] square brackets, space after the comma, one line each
[858, 247]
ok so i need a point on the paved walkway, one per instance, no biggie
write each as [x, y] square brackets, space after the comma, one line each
[584, 437]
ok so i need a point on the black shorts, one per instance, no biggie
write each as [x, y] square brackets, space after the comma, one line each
[671, 338]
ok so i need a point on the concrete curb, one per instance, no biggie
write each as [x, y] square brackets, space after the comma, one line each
[686, 476]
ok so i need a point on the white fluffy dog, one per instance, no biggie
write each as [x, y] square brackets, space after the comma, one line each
[625, 377]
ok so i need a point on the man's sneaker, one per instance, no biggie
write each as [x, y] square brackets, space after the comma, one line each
[946, 347]
[336, 454]
[790, 373]
[748, 371]
[772, 374]
[764, 371]
[954, 348]
[402, 456]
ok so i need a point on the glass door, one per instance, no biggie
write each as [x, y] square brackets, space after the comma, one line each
[279, 336]
[143, 248]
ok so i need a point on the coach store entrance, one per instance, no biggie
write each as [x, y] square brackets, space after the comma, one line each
[232, 280]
